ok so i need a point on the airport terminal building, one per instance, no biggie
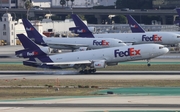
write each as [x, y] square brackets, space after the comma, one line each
[10, 27]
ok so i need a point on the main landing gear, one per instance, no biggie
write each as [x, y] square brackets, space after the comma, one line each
[87, 71]
[148, 63]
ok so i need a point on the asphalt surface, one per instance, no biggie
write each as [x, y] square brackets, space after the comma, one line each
[89, 103]
[63, 72]
[94, 77]
[94, 105]
[93, 11]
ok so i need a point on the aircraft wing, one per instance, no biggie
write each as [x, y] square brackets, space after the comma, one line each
[67, 45]
[70, 62]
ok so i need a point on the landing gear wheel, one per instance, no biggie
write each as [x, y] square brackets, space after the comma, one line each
[93, 70]
[81, 71]
[90, 71]
[87, 71]
[148, 63]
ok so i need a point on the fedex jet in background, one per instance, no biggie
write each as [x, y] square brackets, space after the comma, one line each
[166, 38]
[92, 59]
[135, 27]
[75, 44]
[178, 11]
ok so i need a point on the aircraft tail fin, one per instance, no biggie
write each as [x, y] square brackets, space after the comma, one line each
[80, 28]
[36, 56]
[135, 27]
[178, 11]
[32, 33]
[26, 42]
[30, 48]
[177, 21]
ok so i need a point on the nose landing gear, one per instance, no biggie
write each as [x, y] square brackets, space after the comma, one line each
[148, 63]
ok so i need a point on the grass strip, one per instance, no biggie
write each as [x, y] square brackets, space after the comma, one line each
[32, 88]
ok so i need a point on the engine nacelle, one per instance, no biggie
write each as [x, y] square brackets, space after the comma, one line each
[92, 29]
[81, 49]
[27, 53]
[98, 64]
[46, 50]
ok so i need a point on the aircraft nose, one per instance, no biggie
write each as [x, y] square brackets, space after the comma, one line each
[166, 50]
[124, 44]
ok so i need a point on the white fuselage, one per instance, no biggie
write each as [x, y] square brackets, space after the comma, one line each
[165, 38]
[115, 54]
[75, 43]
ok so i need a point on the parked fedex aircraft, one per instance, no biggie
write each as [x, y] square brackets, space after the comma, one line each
[92, 59]
[70, 43]
[166, 38]
[136, 28]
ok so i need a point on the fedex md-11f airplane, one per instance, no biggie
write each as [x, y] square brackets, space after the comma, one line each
[75, 44]
[165, 38]
[89, 61]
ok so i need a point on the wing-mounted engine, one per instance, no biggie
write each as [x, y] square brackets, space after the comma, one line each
[27, 53]
[81, 49]
[98, 64]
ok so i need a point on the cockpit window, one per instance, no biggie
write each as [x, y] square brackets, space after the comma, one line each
[160, 47]
[178, 36]
[120, 41]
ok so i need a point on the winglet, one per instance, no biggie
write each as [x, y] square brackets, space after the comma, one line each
[135, 27]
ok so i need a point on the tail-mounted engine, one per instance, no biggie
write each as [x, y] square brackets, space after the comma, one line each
[27, 53]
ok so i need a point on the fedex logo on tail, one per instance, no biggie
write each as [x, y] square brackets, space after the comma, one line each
[97, 64]
[129, 52]
[101, 43]
[32, 53]
[29, 29]
[81, 31]
[133, 26]
[154, 38]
